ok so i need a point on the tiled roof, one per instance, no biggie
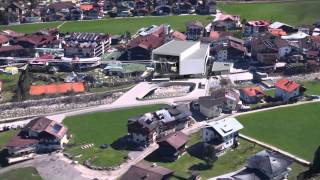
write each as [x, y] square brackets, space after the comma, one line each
[287, 85]
[252, 91]
[17, 141]
[3, 39]
[258, 23]
[179, 35]
[57, 88]
[146, 171]
[176, 140]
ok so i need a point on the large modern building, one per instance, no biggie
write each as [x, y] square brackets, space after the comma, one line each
[180, 58]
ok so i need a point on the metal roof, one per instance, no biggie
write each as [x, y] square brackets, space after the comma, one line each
[226, 126]
[174, 47]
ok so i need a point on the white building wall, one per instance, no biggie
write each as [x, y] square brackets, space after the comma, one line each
[285, 95]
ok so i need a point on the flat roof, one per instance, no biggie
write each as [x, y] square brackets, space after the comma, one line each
[174, 47]
[222, 66]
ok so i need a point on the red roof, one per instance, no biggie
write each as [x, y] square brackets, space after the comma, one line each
[17, 141]
[57, 88]
[277, 32]
[287, 85]
[86, 7]
[260, 23]
[36, 39]
[179, 35]
[3, 39]
[253, 91]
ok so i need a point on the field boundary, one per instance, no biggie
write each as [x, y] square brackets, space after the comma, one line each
[268, 146]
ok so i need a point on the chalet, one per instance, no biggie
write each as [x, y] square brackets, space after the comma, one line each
[228, 49]
[39, 135]
[226, 21]
[146, 129]
[195, 30]
[268, 49]
[172, 146]
[252, 95]
[206, 7]
[147, 171]
[222, 100]
[14, 11]
[265, 165]
[35, 41]
[221, 134]
[162, 10]
[287, 90]
[183, 8]
[255, 27]
[285, 27]
[215, 36]
[59, 11]
[140, 47]
[86, 45]
[12, 51]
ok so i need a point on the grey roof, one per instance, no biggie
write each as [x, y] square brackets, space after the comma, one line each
[269, 163]
[226, 126]
[209, 101]
[174, 47]
[221, 66]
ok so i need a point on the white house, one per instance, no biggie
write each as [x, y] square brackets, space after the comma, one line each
[286, 89]
[179, 58]
[39, 135]
[222, 134]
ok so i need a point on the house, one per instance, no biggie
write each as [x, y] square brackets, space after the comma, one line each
[221, 134]
[228, 49]
[206, 7]
[14, 10]
[252, 95]
[183, 8]
[195, 30]
[147, 171]
[39, 135]
[59, 11]
[12, 51]
[315, 42]
[287, 89]
[268, 49]
[255, 27]
[172, 146]
[146, 129]
[180, 58]
[141, 47]
[285, 27]
[265, 165]
[4, 40]
[226, 21]
[221, 68]
[222, 100]
[277, 32]
[215, 36]
[86, 45]
[35, 41]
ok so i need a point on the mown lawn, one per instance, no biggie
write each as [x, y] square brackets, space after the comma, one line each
[294, 13]
[28, 173]
[193, 161]
[231, 161]
[313, 87]
[101, 128]
[6, 136]
[114, 26]
[294, 129]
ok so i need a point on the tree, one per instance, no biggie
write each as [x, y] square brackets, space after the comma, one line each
[210, 155]
[315, 167]
[23, 87]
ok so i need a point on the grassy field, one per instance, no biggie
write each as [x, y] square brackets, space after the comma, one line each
[9, 85]
[229, 162]
[6, 136]
[313, 87]
[114, 26]
[28, 173]
[295, 13]
[293, 129]
[101, 128]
